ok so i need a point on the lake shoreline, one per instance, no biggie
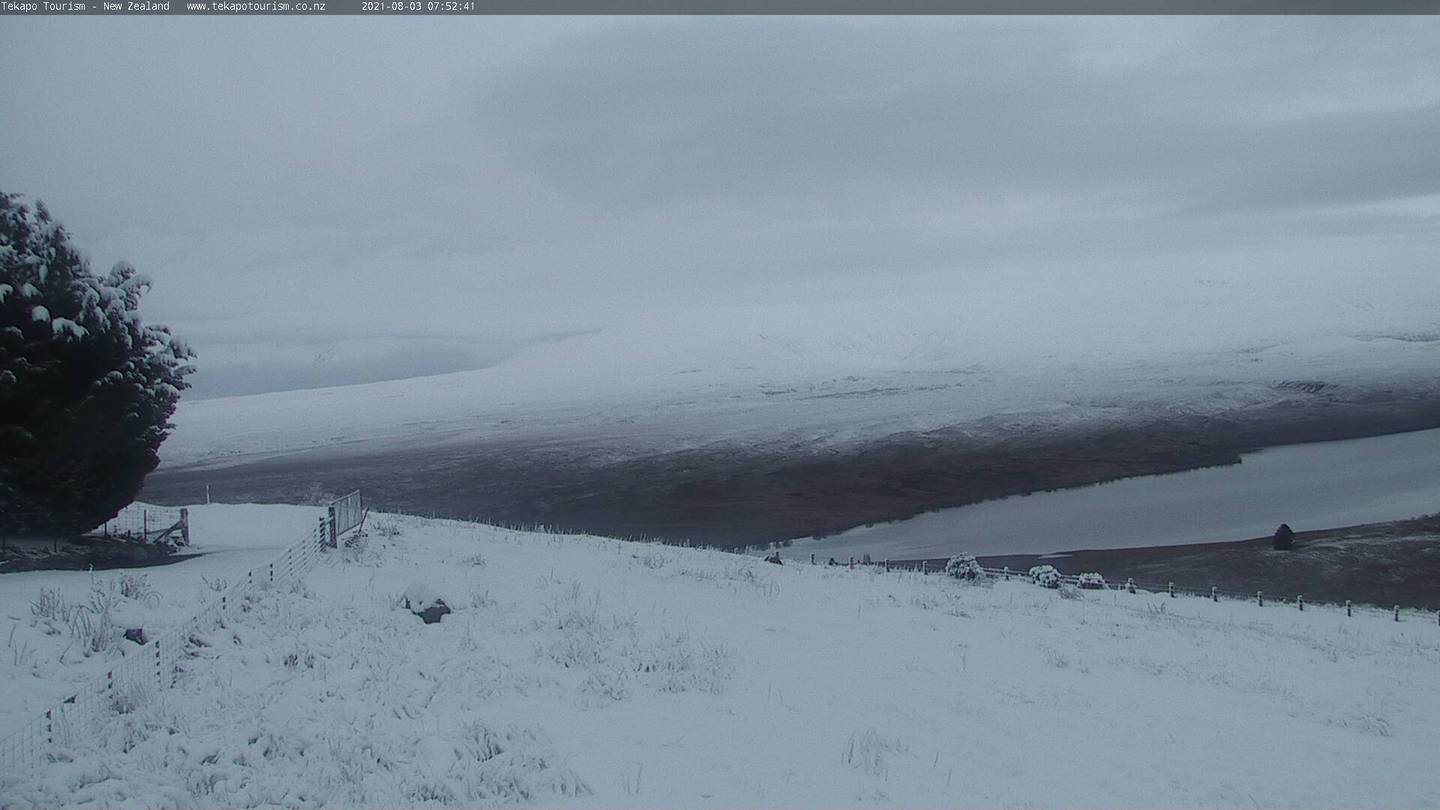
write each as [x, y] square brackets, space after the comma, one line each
[1384, 564]
[739, 495]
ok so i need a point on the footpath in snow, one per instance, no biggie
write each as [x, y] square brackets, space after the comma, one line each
[586, 672]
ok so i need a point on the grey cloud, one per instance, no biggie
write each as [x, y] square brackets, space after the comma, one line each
[501, 179]
[808, 111]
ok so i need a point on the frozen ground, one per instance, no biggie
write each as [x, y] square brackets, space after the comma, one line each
[585, 672]
[42, 657]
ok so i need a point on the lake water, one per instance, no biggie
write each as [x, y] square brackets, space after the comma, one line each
[1309, 486]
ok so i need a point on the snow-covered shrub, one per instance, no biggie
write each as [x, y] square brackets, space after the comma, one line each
[137, 587]
[512, 765]
[387, 529]
[674, 663]
[1045, 576]
[49, 605]
[96, 632]
[357, 549]
[582, 642]
[90, 388]
[1091, 581]
[964, 566]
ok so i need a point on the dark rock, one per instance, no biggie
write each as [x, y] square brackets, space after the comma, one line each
[774, 558]
[425, 603]
[135, 634]
[1284, 538]
[432, 614]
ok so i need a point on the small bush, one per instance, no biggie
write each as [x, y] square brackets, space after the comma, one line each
[49, 605]
[964, 566]
[137, 587]
[1045, 576]
[96, 632]
[1091, 581]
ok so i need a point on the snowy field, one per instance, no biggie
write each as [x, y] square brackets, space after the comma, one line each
[586, 672]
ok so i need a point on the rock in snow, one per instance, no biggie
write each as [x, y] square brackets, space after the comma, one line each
[423, 601]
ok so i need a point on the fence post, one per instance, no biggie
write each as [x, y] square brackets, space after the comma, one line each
[1347, 608]
[887, 565]
[1007, 573]
[49, 726]
[185, 526]
[812, 558]
[1300, 601]
[1397, 613]
[1260, 598]
[922, 566]
[1130, 584]
[159, 675]
[852, 563]
[272, 573]
[1171, 588]
[145, 525]
[333, 536]
[1214, 595]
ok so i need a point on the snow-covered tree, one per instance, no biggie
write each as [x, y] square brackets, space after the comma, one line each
[86, 389]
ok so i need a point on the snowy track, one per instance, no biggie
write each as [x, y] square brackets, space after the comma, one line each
[587, 672]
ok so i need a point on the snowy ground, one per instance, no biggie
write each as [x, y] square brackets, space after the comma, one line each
[42, 658]
[594, 673]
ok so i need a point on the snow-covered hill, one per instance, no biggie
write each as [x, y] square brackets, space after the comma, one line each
[579, 671]
[836, 364]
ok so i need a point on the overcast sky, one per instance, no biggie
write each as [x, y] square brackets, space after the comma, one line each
[455, 187]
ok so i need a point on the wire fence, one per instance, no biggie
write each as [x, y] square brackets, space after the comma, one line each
[1258, 598]
[153, 666]
[148, 524]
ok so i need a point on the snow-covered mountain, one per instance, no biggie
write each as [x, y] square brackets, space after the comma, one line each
[876, 364]
[585, 672]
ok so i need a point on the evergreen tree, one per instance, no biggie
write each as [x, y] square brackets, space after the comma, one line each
[86, 389]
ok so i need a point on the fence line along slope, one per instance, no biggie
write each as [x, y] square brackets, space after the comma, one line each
[591, 672]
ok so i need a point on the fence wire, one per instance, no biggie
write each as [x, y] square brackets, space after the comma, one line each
[149, 668]
[1259, 598]
[148, 524]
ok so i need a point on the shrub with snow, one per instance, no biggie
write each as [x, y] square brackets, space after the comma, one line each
[1091, 581]
[1045, 576]
[964, 566]
[86, 389]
